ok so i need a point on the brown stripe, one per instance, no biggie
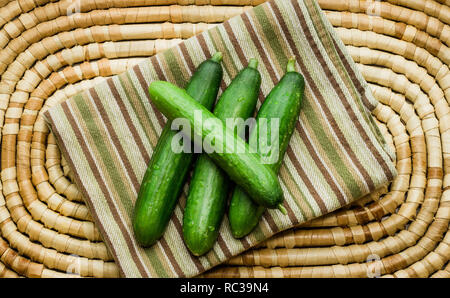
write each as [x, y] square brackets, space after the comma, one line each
[223, 246]
[157, 66]
[103, 187]
[83, 190]
[114, 138]
[128, 120]
[173, 261]
[203, 46]
[291, 213]
[318, 95]
[187, 58]
[342, 97]
[306, 180]
[245, 243]
[144, 87]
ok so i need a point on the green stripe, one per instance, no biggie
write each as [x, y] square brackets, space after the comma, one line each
[270, 33]
[156, 262]
[136, 104]
[174, 68]
[328, 147]
[302, 193]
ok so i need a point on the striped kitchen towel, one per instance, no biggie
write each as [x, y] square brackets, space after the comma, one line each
[336, 154]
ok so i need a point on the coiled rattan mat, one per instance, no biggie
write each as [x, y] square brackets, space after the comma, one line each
[51, 50]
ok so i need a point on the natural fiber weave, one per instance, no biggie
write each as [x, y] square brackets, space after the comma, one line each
[400, 230]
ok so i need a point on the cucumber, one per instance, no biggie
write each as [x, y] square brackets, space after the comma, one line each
[244, 167]
[208, 192]
[283, 102]
[167, 170]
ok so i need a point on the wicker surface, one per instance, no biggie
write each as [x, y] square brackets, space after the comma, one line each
[402, 48]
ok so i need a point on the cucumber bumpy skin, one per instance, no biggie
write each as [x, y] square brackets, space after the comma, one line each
[243, 167]
[283, 102]
[208, 192]
[167, 171]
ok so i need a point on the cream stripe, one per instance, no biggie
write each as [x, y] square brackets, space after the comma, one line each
[147, 72]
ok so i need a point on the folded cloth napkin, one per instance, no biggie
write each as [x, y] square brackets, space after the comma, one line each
[336, 154]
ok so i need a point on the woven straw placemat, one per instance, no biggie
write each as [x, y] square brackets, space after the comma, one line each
[52, 50]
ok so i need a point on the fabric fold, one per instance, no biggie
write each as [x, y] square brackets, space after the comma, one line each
[336, 154]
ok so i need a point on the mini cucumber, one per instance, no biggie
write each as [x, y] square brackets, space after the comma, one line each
[283, 102]
[167, 171]
[208, 192]
[244, 167]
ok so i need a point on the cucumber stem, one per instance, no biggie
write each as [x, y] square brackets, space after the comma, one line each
[217, 57]
[282, 209]
[253, 63]
[290, 65]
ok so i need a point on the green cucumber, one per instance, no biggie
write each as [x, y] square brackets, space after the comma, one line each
[167, 170]
[283, 102]
[244, 167]
[208, 192]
